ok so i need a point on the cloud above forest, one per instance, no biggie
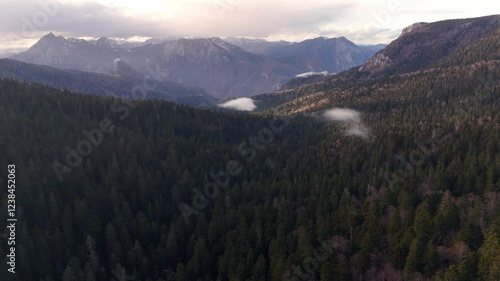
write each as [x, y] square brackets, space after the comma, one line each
[350, 120]
[241, 104]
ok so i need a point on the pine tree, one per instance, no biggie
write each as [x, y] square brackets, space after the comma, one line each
[489, 260]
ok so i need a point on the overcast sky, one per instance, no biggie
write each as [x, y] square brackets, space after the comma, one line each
[362, 21]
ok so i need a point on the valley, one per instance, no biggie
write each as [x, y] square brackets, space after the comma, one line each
[210, 159]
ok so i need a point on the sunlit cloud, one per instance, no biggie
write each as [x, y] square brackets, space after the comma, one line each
[361, 21]
[342, 115]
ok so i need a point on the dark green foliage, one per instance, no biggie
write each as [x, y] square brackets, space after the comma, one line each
[312, 203]
[116, 213]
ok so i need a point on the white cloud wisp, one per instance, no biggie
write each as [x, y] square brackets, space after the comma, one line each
[241, 104]
[350, 120]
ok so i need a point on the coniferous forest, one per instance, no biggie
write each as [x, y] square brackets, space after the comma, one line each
[406, 186]
[175, 193]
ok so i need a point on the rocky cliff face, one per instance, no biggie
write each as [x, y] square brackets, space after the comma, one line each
[413, 27]
[423, 44]
[376, 64]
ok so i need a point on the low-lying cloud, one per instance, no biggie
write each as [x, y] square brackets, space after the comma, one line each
[311, 73]
[358, 130]
[241, 104]
[342, 115]
[350, 120]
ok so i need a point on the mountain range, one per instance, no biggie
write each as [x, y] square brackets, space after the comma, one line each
[221, 67]
[421, 48]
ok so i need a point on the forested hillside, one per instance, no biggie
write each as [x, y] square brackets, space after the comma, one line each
[175, 193]
[421, 48]
[124, 83]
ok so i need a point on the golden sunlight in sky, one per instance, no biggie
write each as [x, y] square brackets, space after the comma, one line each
[361, 21]
[156, 8]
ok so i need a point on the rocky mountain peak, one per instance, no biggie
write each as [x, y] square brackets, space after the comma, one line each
[105, 43]
[413, 27]
[51, 39]
[49, 36]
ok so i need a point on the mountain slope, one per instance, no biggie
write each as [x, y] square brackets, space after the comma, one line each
[257, 46]
[330, 54]
[221, 68]
[442, 46]
[423, 44]
[319, 54]
[126, 83]
[72, 54]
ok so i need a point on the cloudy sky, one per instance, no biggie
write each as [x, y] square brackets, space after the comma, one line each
[362, 21]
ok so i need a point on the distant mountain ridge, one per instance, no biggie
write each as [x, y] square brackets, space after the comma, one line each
[123, 83]
[330, 54]
[224, 69]
[78, 54]
[257, 46]
[318, 54]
